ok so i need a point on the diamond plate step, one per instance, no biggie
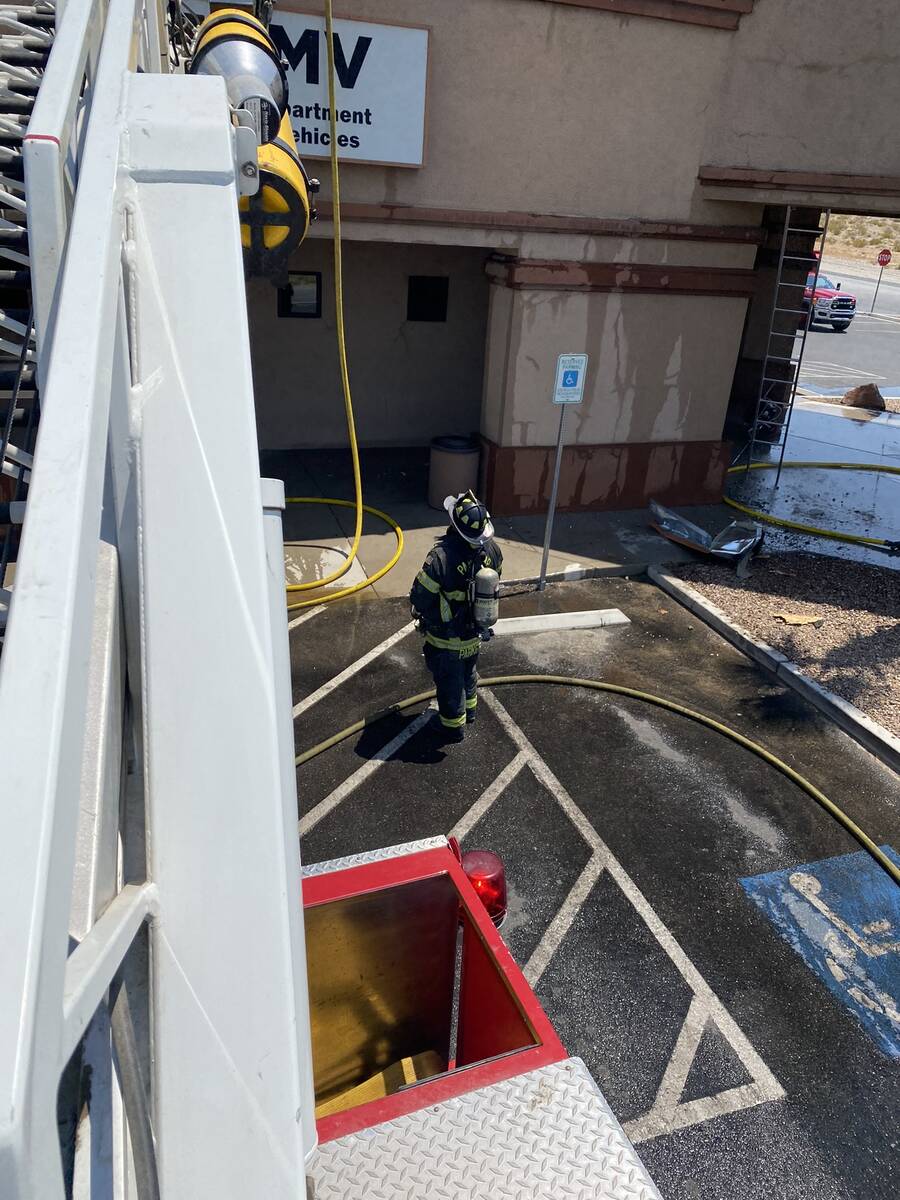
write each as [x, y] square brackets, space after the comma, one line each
[545, 1135]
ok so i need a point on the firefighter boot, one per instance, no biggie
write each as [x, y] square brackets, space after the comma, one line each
[443, 733]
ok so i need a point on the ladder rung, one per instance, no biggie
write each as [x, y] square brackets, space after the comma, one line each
[18, 457]
[781, 283]
[807, 258]
[775, 333]
[800, 312]
[795, 362]
[769, 379]
[93, 963]
[12, 513]
[794, 229]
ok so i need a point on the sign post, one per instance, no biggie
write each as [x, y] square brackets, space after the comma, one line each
[884, 259]
[569, 389]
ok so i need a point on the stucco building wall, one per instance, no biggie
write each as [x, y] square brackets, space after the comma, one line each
[600, 169]
[411, 380]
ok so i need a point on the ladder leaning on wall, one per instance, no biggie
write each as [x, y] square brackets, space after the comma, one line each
[789, 322]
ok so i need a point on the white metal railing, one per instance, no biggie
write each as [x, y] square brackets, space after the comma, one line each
[44, 670]
[145, 494]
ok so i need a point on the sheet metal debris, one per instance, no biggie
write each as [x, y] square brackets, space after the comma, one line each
[735, 542]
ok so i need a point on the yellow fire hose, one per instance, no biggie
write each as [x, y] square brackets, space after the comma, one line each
[357, 503]
[878, 543]
[670, 705]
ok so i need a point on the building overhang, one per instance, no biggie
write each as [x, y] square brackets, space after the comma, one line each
[868, 194]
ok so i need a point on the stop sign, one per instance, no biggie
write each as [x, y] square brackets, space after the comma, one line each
[884, 258]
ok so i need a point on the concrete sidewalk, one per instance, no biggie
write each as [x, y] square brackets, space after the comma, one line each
[316, 537]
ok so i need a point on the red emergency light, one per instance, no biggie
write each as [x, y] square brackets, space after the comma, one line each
[487, 875]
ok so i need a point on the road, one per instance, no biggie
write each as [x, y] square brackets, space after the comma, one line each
[869, 352]
[641, 852]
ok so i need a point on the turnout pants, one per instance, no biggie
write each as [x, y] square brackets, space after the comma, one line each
[455, 680]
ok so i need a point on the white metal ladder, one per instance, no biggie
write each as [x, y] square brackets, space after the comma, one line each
[149, 805]
[789, 323]
[26, 37]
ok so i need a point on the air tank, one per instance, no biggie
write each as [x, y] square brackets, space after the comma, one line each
[487, 598]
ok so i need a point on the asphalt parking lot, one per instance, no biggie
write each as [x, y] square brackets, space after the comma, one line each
[869, 351]
[734, 1064]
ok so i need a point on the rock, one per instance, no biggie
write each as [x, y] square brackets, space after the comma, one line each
[866, 396]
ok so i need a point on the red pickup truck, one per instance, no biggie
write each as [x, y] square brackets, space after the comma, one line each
[830, 304]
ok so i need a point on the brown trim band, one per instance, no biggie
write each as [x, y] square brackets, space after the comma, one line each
[516, 479]
[714, 14]
[535, 275]
[409, 214]
[800, 181]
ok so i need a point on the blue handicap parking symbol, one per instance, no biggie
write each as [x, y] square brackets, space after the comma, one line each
[842, 916]
[570, 379]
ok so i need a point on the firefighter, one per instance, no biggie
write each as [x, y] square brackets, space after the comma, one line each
[442, 599]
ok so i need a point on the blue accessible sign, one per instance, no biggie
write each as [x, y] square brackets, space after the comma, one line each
[842, 916]
[570, 372]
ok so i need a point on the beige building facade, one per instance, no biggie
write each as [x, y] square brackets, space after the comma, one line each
[600, 176]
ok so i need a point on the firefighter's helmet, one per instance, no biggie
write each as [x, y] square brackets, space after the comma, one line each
[470, 518]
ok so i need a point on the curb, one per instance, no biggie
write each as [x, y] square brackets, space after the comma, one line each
[872, 736]
[573, 574]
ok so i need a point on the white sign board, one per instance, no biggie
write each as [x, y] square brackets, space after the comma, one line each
[381, 73]
[570, 372]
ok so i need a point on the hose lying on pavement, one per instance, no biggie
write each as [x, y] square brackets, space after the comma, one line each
[891, 547]
[599, 686]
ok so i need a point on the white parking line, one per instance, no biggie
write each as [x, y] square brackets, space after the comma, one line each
[349, 672]
[667, 1114]
[835, 371]
[305, 616]
[562, 922]
[378, 759]
[487, 797]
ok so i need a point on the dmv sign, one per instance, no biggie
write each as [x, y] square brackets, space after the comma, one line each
[381, 74]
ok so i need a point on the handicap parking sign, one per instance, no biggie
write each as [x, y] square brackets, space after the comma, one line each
[842, 916]
[570, 372]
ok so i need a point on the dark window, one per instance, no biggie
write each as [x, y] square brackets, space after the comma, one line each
[426, 299]
[303, 295]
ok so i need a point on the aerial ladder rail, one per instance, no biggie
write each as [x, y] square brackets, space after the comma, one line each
[48, 62]
[27, 34]
[126, 835]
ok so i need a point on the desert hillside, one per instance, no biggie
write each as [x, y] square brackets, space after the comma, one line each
[862, 237]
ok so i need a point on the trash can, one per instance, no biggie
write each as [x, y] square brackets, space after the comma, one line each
[453, 468]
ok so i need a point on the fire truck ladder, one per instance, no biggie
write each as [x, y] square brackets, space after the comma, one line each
[26, 36]
[789, 324]
[129, 906]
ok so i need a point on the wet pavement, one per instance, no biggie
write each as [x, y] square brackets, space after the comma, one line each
[318, 537]
[627, 832]
[862, 503]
